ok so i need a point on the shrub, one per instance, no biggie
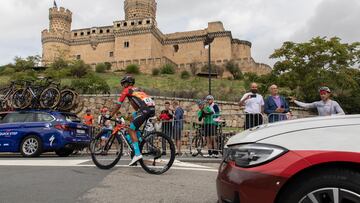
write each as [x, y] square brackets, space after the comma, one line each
[234, 69]
[185, 74]
[132, 69]
[26, 75]
[91, 84]
[168, 69]
[57, 74]
[155, 71]
[108, 65]
[7, 71]
[79, 69]
[100, 68]
[59, 63]
[214, 68]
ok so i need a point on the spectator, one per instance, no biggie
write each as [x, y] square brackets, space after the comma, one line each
[205, 113]
[276, 106]
[325, 107]
[254, 104]
[178, 126]
[106, 131]
[213, 126]
[166, 118]
[88, 119]
[119, 118]
[102, 117]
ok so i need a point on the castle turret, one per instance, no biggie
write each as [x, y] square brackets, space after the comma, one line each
[56, 39]
[140, 9]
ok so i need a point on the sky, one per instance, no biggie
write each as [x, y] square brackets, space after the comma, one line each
[266, 23]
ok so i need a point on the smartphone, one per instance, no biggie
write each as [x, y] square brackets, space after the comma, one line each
[253, 96]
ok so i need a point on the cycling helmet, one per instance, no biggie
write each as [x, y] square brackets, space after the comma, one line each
[200, 102]
[324, 89]
[128, 79]
[209, 97]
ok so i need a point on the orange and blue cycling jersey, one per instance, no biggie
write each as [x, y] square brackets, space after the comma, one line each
[137, 98]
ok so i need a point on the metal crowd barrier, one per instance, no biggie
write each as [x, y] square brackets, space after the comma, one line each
[207, 137]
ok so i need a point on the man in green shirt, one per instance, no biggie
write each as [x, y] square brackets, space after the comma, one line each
[210, 126]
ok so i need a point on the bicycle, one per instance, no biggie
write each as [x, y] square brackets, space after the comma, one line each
[107, 153]
[199, 140]
[5, 94]
[46, 96]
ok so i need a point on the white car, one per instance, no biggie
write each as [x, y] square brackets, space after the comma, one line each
[313, 160]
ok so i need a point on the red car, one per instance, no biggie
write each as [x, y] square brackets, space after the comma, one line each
[313, 160]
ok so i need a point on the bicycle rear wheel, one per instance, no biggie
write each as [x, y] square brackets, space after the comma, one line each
[158, 152]
[68, 100]
[21, 99]
[106, 153]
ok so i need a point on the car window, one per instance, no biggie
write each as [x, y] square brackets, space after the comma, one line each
[43, 117]
[2, 116]
[71, 118]
[17, 118]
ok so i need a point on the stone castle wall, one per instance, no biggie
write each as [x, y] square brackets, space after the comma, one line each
[138, 40]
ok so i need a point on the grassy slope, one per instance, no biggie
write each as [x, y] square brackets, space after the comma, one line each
[223, 89]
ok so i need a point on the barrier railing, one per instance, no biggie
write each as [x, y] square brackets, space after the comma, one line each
[206, 137]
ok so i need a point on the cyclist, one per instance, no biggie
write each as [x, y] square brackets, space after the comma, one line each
[144, 107]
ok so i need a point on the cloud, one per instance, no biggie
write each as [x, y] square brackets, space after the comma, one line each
[265, 23]
[333, 18]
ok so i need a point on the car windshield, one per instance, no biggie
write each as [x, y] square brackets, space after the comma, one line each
[71, 118]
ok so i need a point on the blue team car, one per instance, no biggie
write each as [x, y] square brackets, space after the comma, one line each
[33, 132]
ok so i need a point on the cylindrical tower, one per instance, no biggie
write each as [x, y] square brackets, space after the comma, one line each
[140, 9]
[60, 20]
[56, 39]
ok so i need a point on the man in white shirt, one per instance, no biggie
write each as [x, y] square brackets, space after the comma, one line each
[254, 106]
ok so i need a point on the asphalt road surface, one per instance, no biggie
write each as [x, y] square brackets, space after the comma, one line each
[53, 179]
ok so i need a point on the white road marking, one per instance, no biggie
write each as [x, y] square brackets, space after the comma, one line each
[178, 165]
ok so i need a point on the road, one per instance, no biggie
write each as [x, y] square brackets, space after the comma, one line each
[75, 179]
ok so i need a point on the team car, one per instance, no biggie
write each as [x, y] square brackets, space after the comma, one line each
[307, 160]
[33, 132]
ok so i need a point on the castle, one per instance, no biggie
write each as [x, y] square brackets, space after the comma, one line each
[138, 40]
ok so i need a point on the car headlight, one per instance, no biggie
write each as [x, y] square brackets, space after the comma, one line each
[251, 155]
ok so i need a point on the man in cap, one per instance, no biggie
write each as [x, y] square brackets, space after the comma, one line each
[325, 107]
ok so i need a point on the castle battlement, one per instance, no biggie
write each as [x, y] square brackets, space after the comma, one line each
[138, 40]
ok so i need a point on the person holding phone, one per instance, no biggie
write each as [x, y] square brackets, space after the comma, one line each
[276, 106]
[254, 104]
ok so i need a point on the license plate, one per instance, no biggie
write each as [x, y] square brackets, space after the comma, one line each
[80, 131]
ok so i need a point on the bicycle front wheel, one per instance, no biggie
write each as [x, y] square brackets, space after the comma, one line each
[50, 98]
[158, 152]
[106, 152]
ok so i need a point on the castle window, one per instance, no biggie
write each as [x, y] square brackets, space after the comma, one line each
[140, 22]
[88, 33]
[176, 48]
[118, 25]
[125, 24]
[78, 57]
[82, 33]
[111, 54]
[107, 31]
[148, 22]
[132, 23]
[75, 34]
[101, 31]
[126, 44]
[94, 31]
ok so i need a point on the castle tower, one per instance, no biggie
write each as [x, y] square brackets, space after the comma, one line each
[140, 9]
[56, 40]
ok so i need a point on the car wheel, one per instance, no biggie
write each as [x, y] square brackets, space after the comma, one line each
[327, 185]
[31, 146]
[64, 152]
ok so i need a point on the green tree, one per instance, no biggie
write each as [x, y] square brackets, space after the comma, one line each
[79, 69]
[234, 69]
[321, 61]
[100, 68]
